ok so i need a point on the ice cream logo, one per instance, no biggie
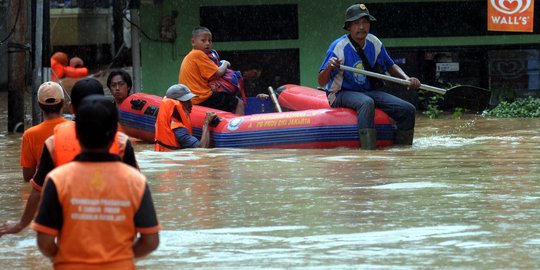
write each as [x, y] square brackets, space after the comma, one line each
[510, 15]
[511, 6]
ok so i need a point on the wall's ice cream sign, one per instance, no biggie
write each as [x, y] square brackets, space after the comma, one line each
[510, 15]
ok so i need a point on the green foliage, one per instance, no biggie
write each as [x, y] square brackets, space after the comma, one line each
[458, 112]
[521, 108]
[431, 101]
[504, 93]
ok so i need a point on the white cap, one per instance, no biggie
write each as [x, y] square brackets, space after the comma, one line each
[50, 93]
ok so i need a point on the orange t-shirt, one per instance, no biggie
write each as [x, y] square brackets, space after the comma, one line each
[33, 139]
[196, 71]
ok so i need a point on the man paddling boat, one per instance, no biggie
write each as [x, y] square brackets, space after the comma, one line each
[360, 49]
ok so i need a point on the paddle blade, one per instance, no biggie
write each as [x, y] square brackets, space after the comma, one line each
[467, 97]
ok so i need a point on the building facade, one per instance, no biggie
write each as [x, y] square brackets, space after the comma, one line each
[443, 43]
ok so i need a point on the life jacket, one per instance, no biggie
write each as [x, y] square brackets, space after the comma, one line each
[75, 72]
[64, 146]
[57, 70]
[60, 68]
[98, 226]
[164, 138]
[230, 83]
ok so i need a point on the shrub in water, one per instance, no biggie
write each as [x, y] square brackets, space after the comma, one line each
[521, 108]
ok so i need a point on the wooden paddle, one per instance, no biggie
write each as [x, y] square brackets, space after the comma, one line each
[274, 99]
[392, 79]
[464, 96]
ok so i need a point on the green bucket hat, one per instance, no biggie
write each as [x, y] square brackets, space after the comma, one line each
[356, 12]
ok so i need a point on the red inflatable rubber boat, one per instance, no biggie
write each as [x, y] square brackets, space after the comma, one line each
[308, 123]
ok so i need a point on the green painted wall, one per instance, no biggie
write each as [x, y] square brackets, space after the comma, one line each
[318, 26]
[320, 22]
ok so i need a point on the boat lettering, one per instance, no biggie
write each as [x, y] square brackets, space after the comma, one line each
[278, 116]
[301, 121]
[283, 122]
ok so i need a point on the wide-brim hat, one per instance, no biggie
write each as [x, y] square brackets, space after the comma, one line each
[356, 12]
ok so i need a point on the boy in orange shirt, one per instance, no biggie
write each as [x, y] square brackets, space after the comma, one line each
[51, 101]
[198, 70]
[96, 212]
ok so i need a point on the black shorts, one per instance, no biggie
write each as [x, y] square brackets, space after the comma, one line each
[221, 101]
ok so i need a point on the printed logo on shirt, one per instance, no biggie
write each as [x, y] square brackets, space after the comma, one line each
[511, 15]
[96, 209]
[359, 78]
[97, 182]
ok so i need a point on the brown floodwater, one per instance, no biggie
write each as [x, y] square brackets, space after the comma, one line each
[465, 196]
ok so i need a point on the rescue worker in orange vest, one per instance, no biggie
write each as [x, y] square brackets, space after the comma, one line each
[96, 211]
[61, 148]
[173, 124]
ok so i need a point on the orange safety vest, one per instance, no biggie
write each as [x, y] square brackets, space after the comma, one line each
[164, 137]
[64, 146]
[98, 208]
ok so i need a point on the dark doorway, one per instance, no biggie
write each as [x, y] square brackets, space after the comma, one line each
[264, 68]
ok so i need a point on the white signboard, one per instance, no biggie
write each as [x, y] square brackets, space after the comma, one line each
[446, 67]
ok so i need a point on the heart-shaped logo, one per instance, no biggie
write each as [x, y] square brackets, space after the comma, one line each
[509, 68]
[511, 6]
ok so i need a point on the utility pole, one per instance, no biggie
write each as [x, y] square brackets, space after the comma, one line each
[4, 36]
[37, 31]
[118, 27]
[16, 65]
[41, 53]
[134, 6]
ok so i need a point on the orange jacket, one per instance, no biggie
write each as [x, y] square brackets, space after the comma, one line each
[164, 137]
[64, 146]
[99, 201]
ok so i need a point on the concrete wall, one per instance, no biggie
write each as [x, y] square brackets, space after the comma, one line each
[79, 27]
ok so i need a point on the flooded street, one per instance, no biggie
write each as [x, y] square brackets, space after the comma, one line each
[465, 196]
